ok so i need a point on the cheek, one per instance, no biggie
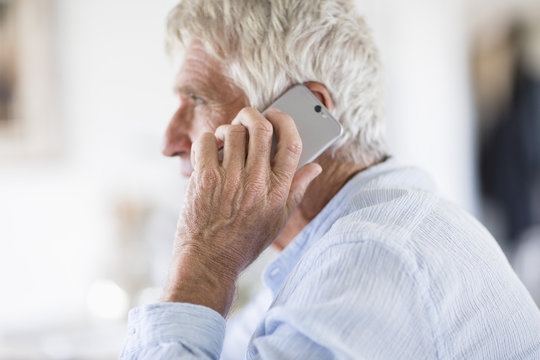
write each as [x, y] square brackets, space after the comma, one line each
[208, 121]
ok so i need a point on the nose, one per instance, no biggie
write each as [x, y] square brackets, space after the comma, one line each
[177, 139]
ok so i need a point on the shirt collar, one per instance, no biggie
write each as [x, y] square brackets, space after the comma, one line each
[277, 271]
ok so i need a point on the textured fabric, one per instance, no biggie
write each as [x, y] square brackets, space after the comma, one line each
[386, 271]
[173, 331]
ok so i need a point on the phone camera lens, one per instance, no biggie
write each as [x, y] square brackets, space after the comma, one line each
[318, 108]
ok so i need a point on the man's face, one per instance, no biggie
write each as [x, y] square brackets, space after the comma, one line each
[208, 99]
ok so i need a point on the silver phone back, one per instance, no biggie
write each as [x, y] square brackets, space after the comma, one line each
[318, 130]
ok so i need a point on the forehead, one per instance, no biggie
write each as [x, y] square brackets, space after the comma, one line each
[200, 69]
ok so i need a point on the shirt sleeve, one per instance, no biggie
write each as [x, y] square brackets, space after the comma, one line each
[351, 301]
[174, 331]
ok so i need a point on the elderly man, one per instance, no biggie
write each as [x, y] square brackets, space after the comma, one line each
[373, 264]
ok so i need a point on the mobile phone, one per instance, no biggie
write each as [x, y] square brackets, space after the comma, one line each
[318, 129]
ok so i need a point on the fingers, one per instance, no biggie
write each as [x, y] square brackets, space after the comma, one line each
[289, 144]
[260, 137]
[204, 152]
[300, 183]
[234, 145]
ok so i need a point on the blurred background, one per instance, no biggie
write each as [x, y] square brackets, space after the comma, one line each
[88, 205]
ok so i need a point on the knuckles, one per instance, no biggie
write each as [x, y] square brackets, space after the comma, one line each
[260, 125]
[228, 130]
[295, 148]
[263, 130]
[236, 130]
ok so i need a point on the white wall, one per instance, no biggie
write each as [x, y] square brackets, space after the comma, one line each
[115, 99]
[424, 45]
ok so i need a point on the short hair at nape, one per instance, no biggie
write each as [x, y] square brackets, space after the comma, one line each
[266, 46]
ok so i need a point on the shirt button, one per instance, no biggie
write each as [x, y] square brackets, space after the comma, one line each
[274, 272]
[133, 331]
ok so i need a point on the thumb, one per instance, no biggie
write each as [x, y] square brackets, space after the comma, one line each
[300, 182]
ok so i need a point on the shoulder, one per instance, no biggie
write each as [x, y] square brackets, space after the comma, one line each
[405, 221]
[402, 241]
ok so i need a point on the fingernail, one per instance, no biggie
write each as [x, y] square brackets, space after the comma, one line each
[317, 173]
[272, 110]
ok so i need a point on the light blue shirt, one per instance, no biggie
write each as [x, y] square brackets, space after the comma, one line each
[387, 270]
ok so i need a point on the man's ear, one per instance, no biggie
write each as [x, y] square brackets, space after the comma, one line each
[321, 92]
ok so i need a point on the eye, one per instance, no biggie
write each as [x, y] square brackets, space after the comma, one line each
[198, 100]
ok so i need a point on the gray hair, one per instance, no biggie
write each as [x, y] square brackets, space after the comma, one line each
[266, 46]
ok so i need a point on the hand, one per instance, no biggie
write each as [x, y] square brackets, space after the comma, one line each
[235, 208]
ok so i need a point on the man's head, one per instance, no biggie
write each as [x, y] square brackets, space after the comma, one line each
[254, 50]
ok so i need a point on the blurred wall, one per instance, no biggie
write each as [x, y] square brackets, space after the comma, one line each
[58, 220]
[424, 45]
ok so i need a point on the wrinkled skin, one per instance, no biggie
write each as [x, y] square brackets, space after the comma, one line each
[236, 207]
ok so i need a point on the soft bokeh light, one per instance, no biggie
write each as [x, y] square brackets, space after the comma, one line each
[107, 300]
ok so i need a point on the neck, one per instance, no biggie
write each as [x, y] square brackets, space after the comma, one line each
[334, 176]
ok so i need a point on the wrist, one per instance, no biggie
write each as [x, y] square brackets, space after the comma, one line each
[194, 281]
